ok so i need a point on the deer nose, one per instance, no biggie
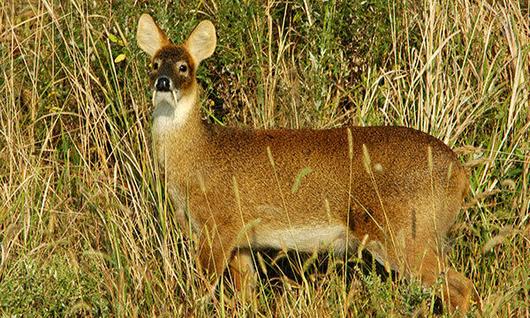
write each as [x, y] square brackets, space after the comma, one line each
[162, 84]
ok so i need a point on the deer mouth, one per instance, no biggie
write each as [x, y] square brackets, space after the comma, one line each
[170, 98]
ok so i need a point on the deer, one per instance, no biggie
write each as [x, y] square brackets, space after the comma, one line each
[394, 191]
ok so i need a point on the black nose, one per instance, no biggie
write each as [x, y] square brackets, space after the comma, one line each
[162, 84]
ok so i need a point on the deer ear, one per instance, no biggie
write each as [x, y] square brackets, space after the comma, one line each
[202, 41]
[149, 36]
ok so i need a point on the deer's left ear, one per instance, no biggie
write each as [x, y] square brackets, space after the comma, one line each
[149, 36]
[202, 41]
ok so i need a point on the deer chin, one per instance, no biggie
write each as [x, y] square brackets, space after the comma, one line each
[172, 109]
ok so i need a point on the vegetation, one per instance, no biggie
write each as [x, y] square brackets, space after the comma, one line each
[86, 227]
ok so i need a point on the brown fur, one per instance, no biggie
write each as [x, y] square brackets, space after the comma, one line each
[397, 186]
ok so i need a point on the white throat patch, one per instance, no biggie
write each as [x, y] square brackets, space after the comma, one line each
[171, 111]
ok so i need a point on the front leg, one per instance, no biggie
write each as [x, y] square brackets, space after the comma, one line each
[214, 253]
[243, 273]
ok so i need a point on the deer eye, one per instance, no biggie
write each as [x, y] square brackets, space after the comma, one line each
[155, 66]
[183, 68]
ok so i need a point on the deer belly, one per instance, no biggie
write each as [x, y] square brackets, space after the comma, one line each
[305, 238]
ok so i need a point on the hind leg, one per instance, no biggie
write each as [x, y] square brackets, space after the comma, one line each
[416, 257]
[456, 287]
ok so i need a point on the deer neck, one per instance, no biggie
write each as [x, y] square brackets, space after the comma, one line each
[177, 126]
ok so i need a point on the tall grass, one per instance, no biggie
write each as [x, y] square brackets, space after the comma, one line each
[86, 226]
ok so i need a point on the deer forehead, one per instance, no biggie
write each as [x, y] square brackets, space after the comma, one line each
[174, 54]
